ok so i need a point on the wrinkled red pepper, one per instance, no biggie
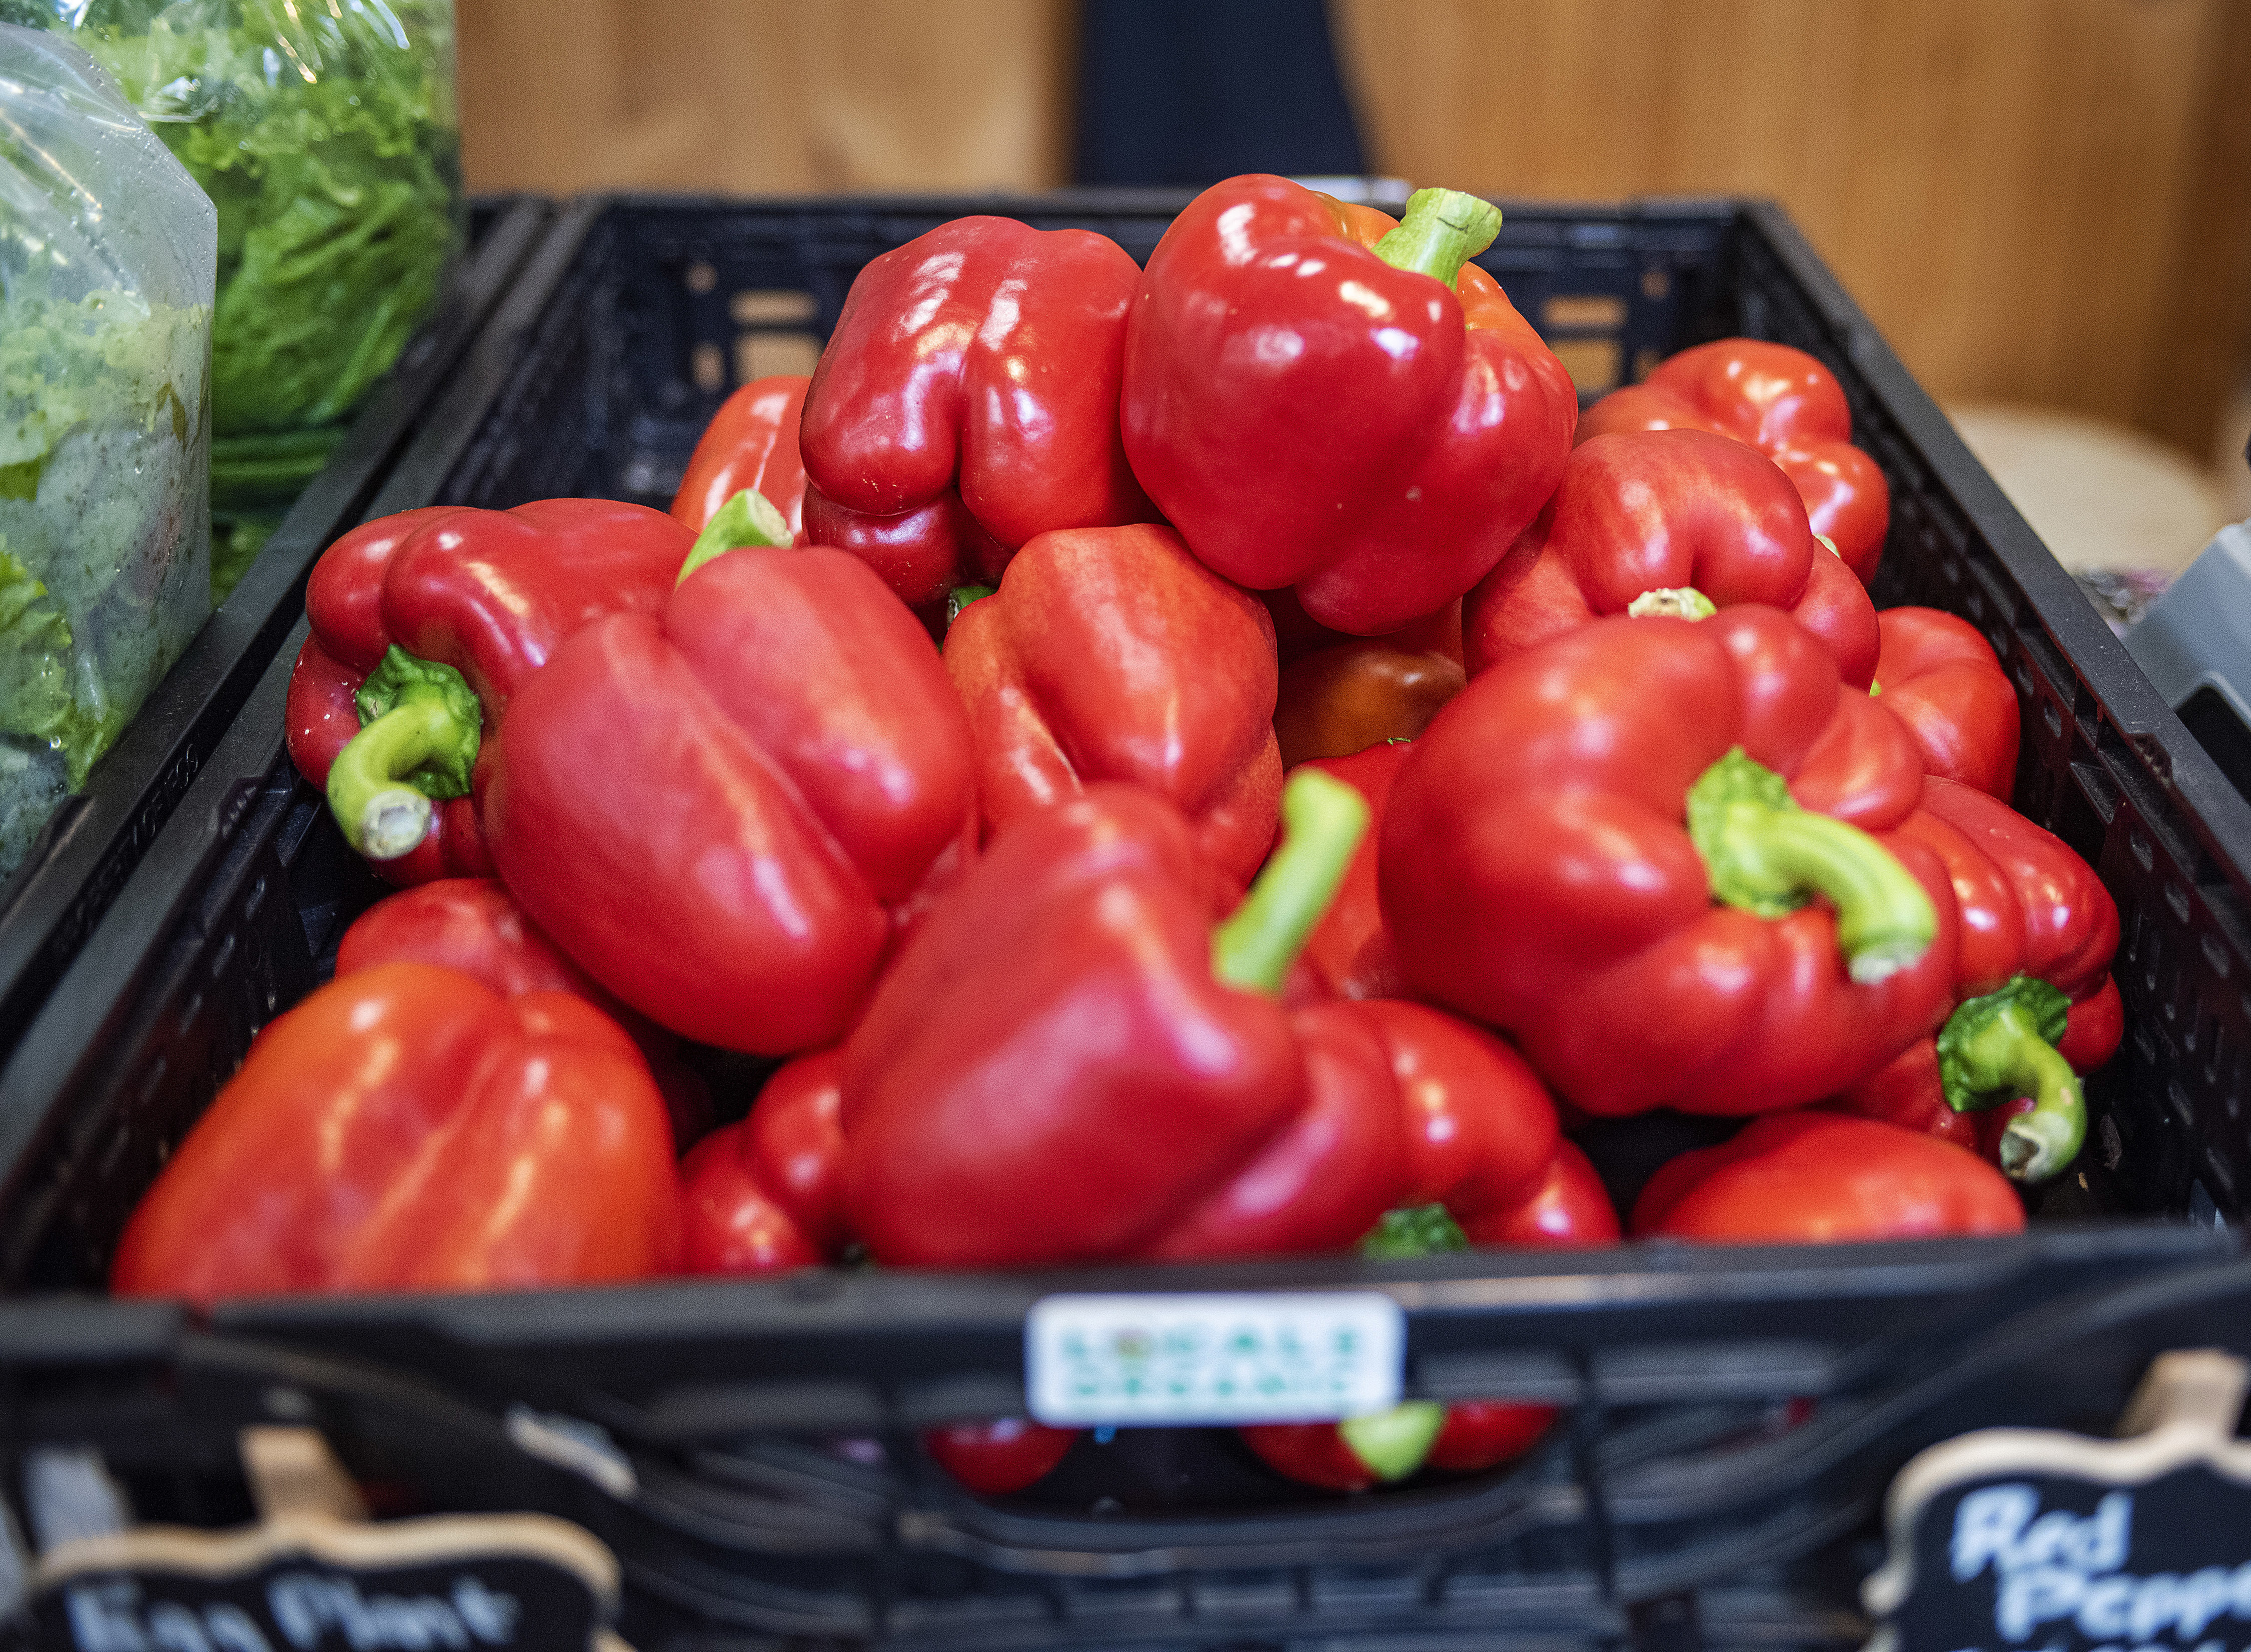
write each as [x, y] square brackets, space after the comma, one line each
[751, 443]
[425, 625]
[1335, 701]
[767, 1192]
[1820, 1178]
[967, 400]
[723, 810]
[1553, 843]
[1319, 398]
[474, 925]
[1667, 522]
[1111, 653]
[407, 1129]
[1938, 676]
[985, 1128]
[1786, 405]
[2036, 1006]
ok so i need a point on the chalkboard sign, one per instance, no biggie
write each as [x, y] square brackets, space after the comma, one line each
[308, 1577]
[2051, 1542]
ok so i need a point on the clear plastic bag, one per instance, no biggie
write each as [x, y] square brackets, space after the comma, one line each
[325, 132]
[107, 251]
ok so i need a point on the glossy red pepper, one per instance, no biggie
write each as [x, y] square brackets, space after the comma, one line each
[474, 925]
[1938, 676]
[1349, 953]
[967, 401]
[1111, 653]
[407, 1129]
[1465, 1435]
[1553, 843]
[1569, 1206]
[1818, 1178]
[720, 810]
[1786, 405]
[1338, 701]
[1319, 398]
[434, 619]
[2035, 1005]
[1062, 1067]
[1667, 522]
[767, 1192]
[751, 443]
[995, 1458]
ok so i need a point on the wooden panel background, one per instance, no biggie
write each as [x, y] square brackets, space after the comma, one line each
[2045, 201]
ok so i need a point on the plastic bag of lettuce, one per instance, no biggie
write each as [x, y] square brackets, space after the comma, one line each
[107, 258]
[324, 131]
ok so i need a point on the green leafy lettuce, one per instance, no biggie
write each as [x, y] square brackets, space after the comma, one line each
[325, 135]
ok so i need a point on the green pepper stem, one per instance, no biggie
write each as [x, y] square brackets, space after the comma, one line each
[1766, 855]
[382, 817]
[1323, 820]
[1885, 921]
[2002, 1055]
[1440, 231]
[1391, 1444]
[1678, 601]
[748, 518]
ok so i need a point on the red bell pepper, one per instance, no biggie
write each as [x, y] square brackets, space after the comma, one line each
[995, 1458]
[1465, 1435]
[2036, 1005]
[1316, 398]
[1667, 522]
[1111, 653]
[967, 401]
[1818, 1178]
[474, 925]
[1786, 405]
[1065, 1063]
[722, 810]
[1569, 1206]
[407, 1129]
[430, 621]
[751, 443]
[1554, 842]
[1338, 701]
[767, 1192]
[1937, 674]
[1349, 953]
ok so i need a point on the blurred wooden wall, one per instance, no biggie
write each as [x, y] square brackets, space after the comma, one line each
[2038, 200]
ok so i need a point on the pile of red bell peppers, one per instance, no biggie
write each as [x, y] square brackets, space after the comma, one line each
[1209, 761]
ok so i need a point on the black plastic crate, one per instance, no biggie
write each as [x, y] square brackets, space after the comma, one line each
[1731, 1415]
[90, 846]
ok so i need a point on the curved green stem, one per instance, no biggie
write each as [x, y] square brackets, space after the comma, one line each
[1323, 820]
[382, 816]
[1392, 1443]
[1679, 602]
[421, 725]
[1767, 855]
[746, 520]
[1440, 231]
[2002, 1045]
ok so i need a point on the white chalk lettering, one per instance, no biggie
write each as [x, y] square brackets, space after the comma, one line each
[109, 1617]
[307, 1607]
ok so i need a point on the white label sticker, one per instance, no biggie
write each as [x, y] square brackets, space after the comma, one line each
[1273, 1356]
